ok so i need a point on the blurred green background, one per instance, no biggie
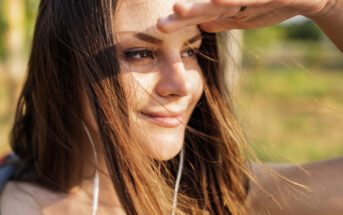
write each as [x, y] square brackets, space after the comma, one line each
[289, 99]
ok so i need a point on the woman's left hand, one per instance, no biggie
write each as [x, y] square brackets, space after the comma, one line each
[221, 15]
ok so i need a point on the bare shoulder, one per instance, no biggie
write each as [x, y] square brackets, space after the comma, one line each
[19, 198]
[312, 188]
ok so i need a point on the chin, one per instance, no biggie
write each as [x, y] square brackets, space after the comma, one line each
[158, 142]
[164, 148]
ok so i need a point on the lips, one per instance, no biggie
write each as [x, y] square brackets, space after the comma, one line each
[167, 119]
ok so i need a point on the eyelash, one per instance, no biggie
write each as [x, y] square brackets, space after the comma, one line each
[130, 55]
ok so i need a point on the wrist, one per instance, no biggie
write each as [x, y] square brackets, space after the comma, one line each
[324, 8]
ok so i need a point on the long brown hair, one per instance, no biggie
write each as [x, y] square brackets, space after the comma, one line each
[73, 53]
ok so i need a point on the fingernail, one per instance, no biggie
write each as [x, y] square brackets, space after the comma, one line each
[167, 19]
[163, 20]
[162, 25]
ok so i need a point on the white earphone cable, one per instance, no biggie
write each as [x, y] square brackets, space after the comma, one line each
[178, 179]
[96, 177]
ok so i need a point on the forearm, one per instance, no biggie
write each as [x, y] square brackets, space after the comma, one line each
[331, 22]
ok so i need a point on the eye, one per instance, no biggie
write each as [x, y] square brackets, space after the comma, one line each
[138, 54]
[189, 53]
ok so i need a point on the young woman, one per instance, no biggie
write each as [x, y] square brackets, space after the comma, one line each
[124, 97]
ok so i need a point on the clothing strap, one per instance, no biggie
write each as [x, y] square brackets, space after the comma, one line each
[7, 170]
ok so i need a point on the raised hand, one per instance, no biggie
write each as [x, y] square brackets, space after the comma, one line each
[220, 15]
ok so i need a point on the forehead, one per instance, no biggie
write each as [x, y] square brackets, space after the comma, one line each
[142, 15]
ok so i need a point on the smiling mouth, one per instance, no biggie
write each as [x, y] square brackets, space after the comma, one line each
[165, 120]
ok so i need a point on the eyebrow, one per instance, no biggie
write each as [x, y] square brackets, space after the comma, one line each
[193, 39]
[150, 39]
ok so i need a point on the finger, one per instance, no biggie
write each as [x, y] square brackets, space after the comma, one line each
[193, 14]
[192, 9]
[174, 22]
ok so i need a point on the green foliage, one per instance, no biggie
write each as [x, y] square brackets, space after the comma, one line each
[303, 31]
[263, 37]
[283, 41]
[3, 27]
[31, 9]
[257, 42]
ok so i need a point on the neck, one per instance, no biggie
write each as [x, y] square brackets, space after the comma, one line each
[107, 198]
[107, 194]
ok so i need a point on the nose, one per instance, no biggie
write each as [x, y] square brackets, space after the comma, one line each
[173, 79]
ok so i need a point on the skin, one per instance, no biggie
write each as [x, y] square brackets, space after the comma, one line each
[221, 15]
[161, 76]
[322, 193]
[171, 80]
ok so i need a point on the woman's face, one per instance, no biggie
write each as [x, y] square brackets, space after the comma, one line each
[162, 78]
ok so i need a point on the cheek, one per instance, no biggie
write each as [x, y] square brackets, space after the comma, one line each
[158, 142]
[137, 87]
